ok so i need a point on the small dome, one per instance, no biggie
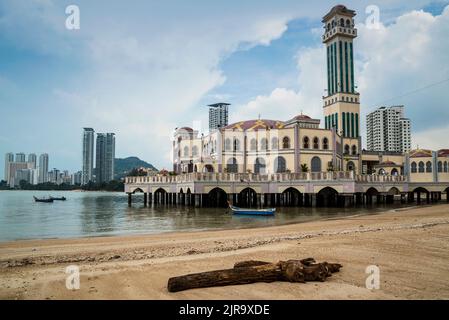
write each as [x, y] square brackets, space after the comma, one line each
[443, 153]
[302, 117]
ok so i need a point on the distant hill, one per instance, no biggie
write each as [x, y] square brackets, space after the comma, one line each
[123, 166]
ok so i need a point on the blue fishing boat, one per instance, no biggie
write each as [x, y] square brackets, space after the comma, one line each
[253, 212]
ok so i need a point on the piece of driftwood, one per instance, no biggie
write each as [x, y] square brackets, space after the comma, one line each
[256, 271]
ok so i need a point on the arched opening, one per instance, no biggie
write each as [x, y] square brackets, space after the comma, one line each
[253, 145]
[228, 144]
[194, 151]
[186, 152]
[440, 166]
[195, 168]
[445, 166]
[370, 193]
[236, 145]
[325, 144]
[292, 198]
[429, 167]
[160, 196]
[306, 143]
[232, 166]
[316, 143]
[350, 166]
[414, 167]
[217, 198]
[346, 151]
[421, 167]
[348, 23]
[286, 143]
[316, 164]
[260, 166]
[280, 165]
[394, 191]
[382, 172]
[208, 168]
[419, 192]
[394, 172]
[342, 22]
[354, 150]
[327, 197]
[247, 198]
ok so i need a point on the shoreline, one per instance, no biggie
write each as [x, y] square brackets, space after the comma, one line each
[221, 229]
[395, 240]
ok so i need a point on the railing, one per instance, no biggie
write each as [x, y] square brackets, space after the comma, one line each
[251, 177]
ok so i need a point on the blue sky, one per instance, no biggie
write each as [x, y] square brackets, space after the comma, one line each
[142, 68]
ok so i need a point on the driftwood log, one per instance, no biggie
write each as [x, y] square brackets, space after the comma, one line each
[256, 271]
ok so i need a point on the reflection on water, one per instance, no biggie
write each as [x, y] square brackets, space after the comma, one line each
[105, 214]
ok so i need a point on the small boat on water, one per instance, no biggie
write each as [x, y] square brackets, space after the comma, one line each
[59, 199]
[252, 212]
[49, 200]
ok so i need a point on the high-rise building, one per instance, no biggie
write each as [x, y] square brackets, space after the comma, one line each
[76, 178]
[9, 157]
[388, 130]
[20, 157]
[88, 155]
[43, 168]
[32, 161]
[218, 115]
[13, 168]
[105, 154]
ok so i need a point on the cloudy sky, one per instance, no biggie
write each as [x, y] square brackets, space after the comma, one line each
[142, 68]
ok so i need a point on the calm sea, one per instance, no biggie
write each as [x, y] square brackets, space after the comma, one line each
[87, 214]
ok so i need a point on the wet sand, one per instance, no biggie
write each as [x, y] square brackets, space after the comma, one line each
[410, 246]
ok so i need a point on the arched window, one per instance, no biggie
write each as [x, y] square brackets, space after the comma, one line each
[414, 167]
[253, 145]
[228, 144]
[421, 167]
[348, 23]
[274, 143]
[346, 149]
[350, 166]
[325, 144]
[236, 145]
[264, 144]
[428, 166]
[445, 166]
[286, 143]
[394, 172]
[354, 150]
[194, 151]
[328, 26]
[259, 166]
[440, 166]
[316, 164]
[316, 143]
[342, 22]
[232, 166]
[382, 172]
[280, 165]
[186, 152]
[305, 143]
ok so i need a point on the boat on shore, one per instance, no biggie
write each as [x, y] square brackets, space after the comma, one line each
[252, 212]
[59, 199]
[48, 200]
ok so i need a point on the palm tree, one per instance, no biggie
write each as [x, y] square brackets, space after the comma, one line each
[304, 168]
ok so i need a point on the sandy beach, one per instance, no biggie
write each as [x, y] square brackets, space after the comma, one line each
[410, 246]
